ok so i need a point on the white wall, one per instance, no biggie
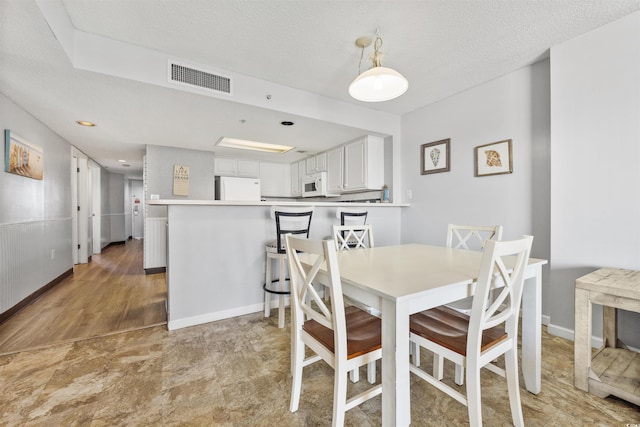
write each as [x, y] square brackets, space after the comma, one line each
[595, 168]
[515, 106]
[35, 215]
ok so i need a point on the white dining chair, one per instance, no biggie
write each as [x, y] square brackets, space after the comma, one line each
[467, 237]
[288, 220]
[344, 337]
[490, 331]
[352, 216]
[353, 237]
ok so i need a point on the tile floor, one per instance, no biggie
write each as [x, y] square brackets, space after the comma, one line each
[235, 372]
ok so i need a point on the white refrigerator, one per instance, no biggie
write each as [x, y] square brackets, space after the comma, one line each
[237, 189]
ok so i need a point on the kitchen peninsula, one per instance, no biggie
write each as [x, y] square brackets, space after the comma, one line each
[216, 252]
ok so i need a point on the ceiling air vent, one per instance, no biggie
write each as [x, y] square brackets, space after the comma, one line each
[193, 77]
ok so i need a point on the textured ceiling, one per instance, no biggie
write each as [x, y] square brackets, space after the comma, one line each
[441, 47]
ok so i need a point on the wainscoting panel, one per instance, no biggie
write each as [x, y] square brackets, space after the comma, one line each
[155, 243]
[31, 255]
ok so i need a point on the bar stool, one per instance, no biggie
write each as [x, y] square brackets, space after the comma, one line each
[351, 216]
[289, 220]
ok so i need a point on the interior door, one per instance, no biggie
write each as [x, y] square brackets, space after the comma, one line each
[137, 223]
[96, 213]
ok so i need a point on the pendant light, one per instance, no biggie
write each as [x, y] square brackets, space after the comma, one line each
[378, 83]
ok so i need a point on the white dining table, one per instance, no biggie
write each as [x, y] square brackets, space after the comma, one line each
[405, 279]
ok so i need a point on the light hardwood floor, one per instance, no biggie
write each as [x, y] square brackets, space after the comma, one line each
[111, 294]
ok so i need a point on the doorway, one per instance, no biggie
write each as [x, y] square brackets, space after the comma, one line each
[137, 223]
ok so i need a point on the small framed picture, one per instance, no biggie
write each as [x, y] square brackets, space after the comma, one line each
[494, 158]
[434, 157]
[21, 157]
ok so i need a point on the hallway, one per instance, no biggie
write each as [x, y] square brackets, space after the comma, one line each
[109, 295]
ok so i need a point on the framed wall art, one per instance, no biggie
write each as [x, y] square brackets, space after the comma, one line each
[434, 157]
[180, 180]
[494, 158]
[22, 157]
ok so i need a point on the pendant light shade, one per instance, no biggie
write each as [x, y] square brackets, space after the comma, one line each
[378, 84]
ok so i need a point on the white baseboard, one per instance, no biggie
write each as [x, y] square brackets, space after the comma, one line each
[546, 320]
[559, 331]
[212, 317]
[221, 315]
[596, 342]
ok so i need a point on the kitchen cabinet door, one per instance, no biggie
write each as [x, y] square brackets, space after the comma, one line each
[295, 180]
[335, 170]
[275, 179]
[317, 163]
[364, 164]
[249, 168]
[225, 167]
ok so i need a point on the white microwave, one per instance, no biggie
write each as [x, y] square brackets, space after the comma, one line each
[315, 185]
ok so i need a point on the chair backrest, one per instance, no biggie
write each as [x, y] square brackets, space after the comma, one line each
[353, 236]
[291, 220]
[348, 216]
[307, 303]
[505, 262]
[472, 237]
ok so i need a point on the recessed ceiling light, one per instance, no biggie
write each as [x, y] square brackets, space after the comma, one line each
[252, 145]
[122, 161]
[286, 123]
[85, 123]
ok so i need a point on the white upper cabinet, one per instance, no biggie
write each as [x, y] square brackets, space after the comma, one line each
[335, 170]
[224, 166]
[296, 190]
[364, 164]
[249, 168]
[298, 171]
[317, 163]
[275, 179]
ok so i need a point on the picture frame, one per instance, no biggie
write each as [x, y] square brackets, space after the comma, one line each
[435, 157]
[494, 159]
[21, 157]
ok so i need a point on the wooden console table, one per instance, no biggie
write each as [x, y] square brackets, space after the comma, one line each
[613, 369]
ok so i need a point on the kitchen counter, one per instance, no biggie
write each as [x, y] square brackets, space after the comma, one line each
[300, 202]
[215, 252]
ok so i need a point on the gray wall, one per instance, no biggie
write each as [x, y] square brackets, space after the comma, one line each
[516, 107]
[595, 168]
[116, 207]
[35, 216]
[160, 161]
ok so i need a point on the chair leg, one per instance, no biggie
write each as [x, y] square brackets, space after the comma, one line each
[474, 403]
[511, 372]
[283, 276]
[414, 350]
[297, 358]
[438, 366]
[371, 372]
[354, 375]
[267, 295]
[459, 375]
[339, 397]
